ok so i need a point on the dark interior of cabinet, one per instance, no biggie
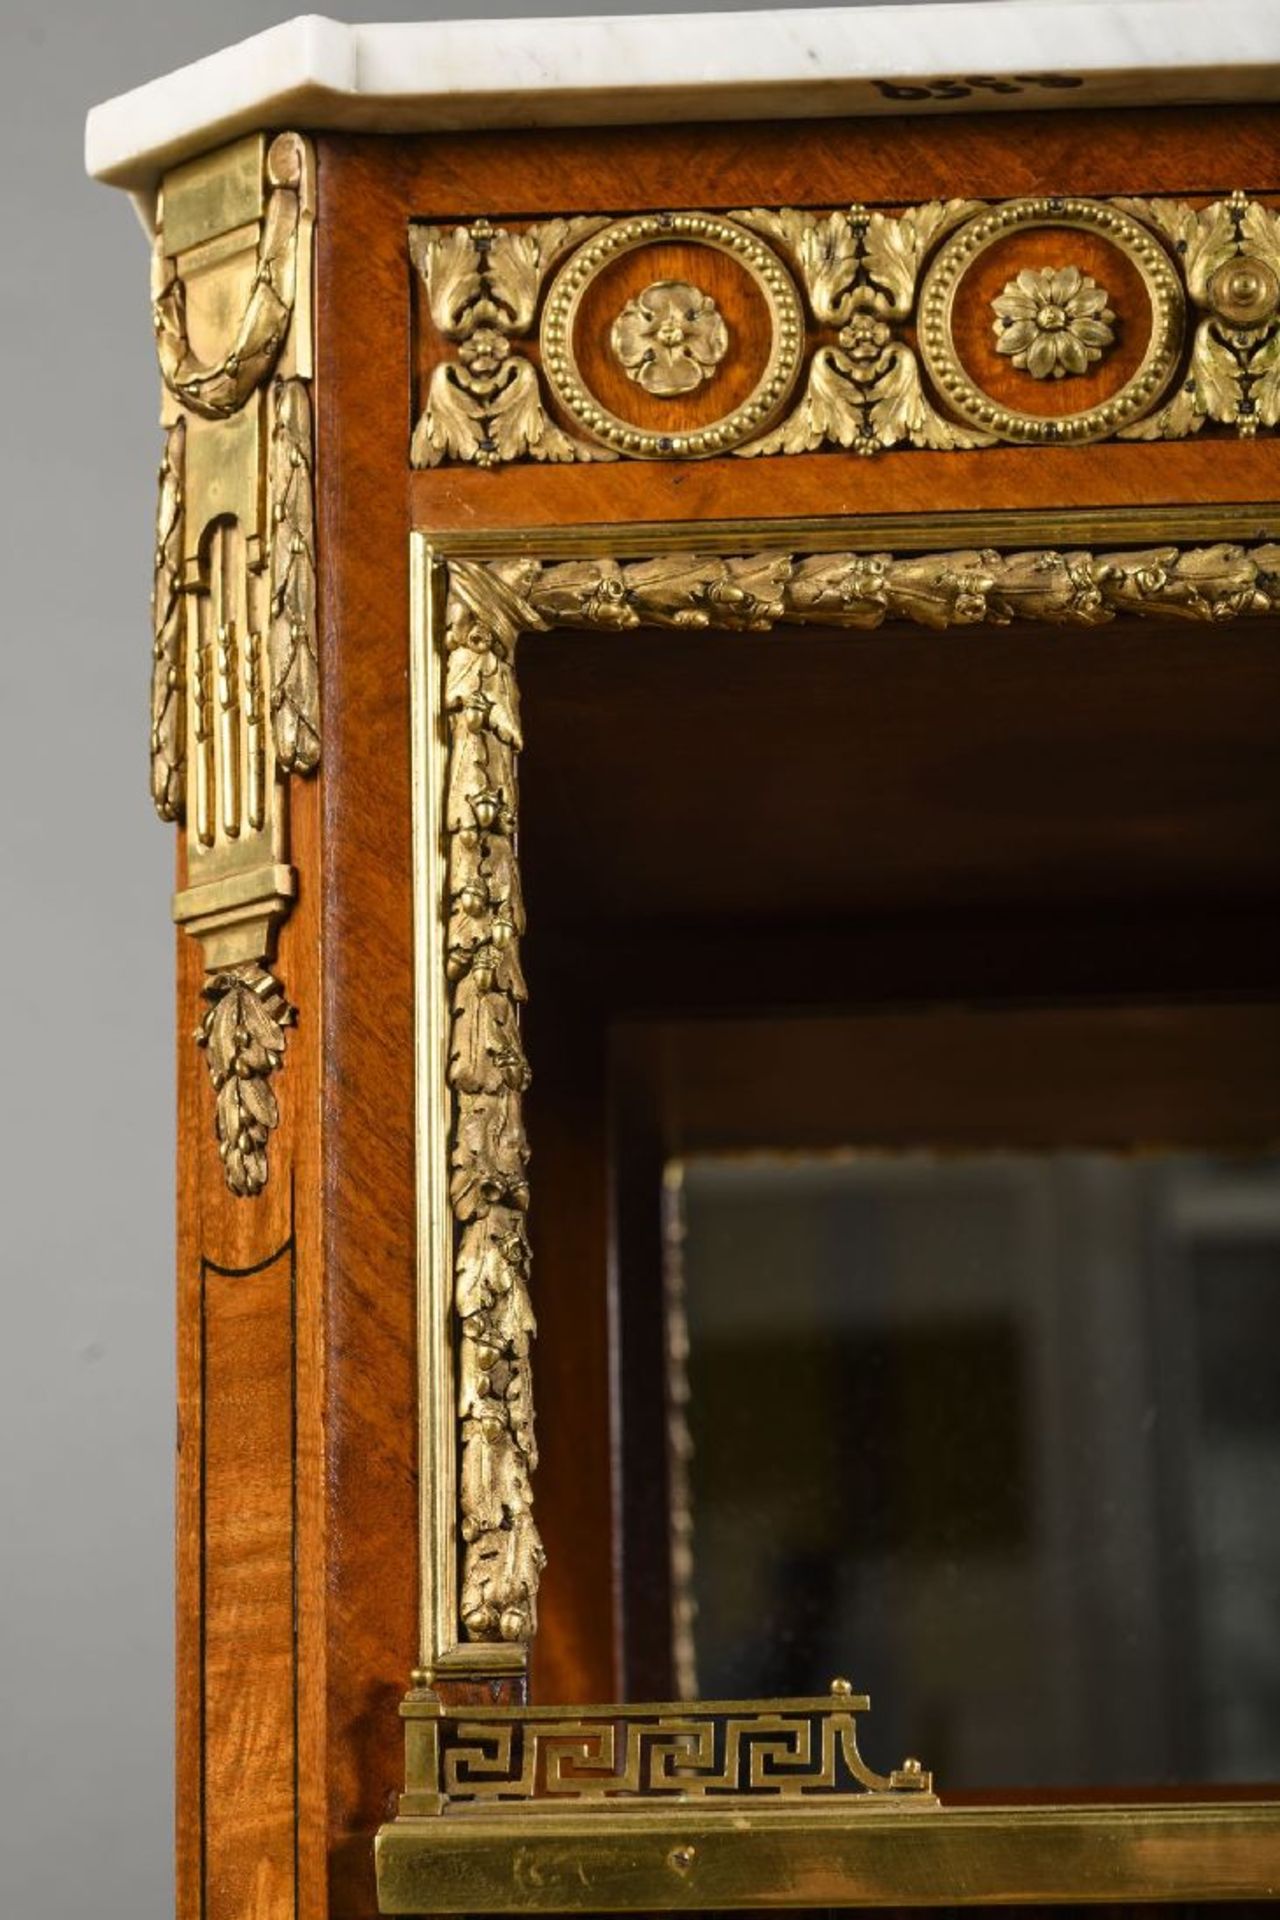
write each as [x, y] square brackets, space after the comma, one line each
[1003, 888]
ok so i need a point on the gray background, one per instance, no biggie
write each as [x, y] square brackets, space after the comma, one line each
[86, 1106]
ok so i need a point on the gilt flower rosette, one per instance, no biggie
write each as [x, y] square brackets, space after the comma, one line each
[1053, 321]
[670, 338]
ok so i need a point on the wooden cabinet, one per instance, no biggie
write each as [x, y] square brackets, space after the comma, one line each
[872, 498]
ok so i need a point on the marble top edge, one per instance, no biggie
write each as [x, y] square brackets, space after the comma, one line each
[317, 75]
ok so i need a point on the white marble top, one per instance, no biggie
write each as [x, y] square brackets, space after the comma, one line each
[314, 74]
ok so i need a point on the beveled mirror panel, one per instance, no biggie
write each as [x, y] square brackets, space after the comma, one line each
[1009, 1425]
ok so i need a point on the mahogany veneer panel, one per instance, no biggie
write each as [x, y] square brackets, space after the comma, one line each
[979, 1079]
[248, 1474]
[764, 780]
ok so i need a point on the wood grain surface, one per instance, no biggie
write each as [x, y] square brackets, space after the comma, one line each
[248, 1469]
[251, 1511]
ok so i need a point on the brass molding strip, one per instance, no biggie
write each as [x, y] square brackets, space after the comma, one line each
[681, 1519]
[664, 1858]
[900, 533]
[235, 702]
[437, 1451]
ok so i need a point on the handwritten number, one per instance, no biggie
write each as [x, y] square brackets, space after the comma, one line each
[973, 83]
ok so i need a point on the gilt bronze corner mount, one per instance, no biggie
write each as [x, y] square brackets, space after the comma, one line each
[235, 704]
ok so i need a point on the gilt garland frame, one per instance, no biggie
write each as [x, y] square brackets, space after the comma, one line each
[709, 1804]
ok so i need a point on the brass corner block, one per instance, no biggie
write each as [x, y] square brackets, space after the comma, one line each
[235, 695]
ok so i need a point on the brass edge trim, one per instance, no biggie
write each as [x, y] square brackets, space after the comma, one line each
[485, 1658]
[903, 533]
[863, 1816]
[824, 1703]
[438, 1476]
[681, 1518]
[862, 1855]
[667, 1857]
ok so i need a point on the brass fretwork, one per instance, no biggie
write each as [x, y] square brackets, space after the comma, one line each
[724, 1752]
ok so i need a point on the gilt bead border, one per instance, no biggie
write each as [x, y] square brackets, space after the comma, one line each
[762, 404]
[1138, 395]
